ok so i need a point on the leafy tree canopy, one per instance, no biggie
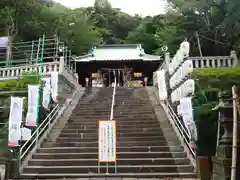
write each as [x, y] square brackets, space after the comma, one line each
[217, 23]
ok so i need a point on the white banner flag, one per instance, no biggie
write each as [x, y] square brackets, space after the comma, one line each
[187, 115]
[15, 120]
[46, 92]
[26, 134]
[54, 83]
[162, 88]
[33, 98]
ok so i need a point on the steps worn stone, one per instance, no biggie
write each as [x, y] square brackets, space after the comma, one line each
[142, 148]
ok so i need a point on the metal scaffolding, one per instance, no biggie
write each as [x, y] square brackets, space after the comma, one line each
[19, 53]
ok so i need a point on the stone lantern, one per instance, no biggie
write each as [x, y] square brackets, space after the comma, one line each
[223, 159]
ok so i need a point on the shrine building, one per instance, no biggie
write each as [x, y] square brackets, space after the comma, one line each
[129, 62]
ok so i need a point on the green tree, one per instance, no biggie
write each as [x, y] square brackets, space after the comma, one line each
[77, 31]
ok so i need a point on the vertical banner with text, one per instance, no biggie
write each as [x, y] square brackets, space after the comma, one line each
[107, 141]
[33, 98]
[162, 87]
[187, 116]
[54, 84]
[15, 120]
[46, 92]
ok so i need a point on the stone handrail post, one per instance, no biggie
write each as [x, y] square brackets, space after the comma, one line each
[61, 64]
[233, 54]
[167, 60]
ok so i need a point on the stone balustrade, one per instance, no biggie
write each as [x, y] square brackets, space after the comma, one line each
[213, 62]
[67, 78]
[15, 71]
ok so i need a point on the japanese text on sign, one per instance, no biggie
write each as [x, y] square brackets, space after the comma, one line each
[107, 141]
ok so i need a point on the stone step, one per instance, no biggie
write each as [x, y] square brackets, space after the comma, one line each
[117, 114]
[111, 169]
[121, 129]
[118, 120]
[118, 123]
[142, 150]
[95, 144]
[119, 149]
[81, 138]
[103, 176]
[120, 105]
[120, 155]
[107, 102]
[119, 143]
[95, 135]
[113, 176]
[122, 116]
[94, 162]
[128, 126]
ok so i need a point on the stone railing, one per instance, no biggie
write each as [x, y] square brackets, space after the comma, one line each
[8, 72]
[207, 62]
[67, 78]
[215, 61]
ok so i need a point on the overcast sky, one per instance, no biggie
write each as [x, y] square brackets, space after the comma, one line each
[141, 7]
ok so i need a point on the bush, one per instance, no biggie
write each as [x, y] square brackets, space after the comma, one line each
[16, 88]
[209, 82]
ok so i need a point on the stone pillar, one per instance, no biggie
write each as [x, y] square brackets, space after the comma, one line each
[223, 158]
[236, 62]
[61, 64]
[167, 60]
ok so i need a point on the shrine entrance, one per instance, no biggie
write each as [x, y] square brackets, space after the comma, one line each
[122, 76]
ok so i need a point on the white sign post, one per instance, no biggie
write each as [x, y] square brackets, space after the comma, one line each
[106, 142]
[15, 120]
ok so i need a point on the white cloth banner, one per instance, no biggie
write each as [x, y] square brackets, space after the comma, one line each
[187, 115]
[26, 134]
[162, 88]
[46, 92]
[15, 120]
[33, 98]
[54, 83]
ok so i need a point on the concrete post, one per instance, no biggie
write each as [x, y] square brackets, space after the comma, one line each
[61, 65]
[236, 62]
[167, 60]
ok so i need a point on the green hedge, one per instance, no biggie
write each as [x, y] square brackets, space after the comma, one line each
[209, 82]
[19, 88]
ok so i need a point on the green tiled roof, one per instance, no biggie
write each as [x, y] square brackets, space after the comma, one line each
[117, 52]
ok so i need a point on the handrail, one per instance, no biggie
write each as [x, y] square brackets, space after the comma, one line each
[185, 136]
[182, 130]
[46, 124]
[113, 96]
[37, 134]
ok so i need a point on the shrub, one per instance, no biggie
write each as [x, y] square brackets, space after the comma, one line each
[209, 82]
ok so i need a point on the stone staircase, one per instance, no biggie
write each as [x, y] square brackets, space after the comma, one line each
[142, 149]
